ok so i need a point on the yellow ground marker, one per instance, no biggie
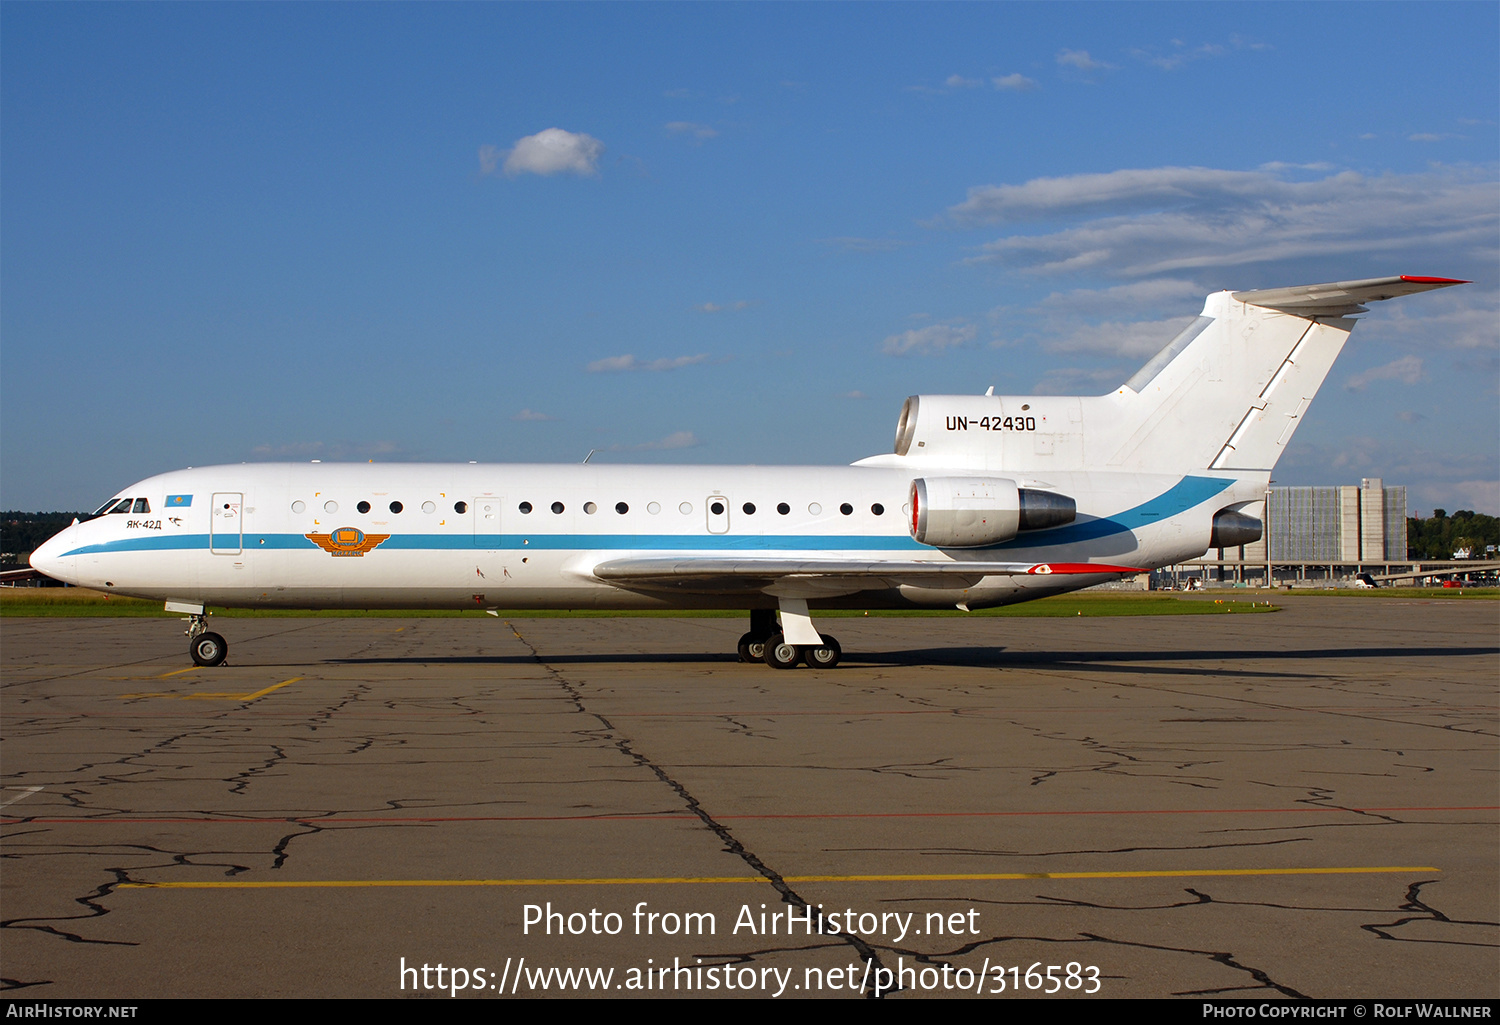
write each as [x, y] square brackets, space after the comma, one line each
[956, 878]
[217, 695]
[176, 672]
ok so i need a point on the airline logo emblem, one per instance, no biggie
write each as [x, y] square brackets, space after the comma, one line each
[346, 541]
[179, 501]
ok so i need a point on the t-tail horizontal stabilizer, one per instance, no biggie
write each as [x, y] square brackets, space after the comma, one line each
[1225, 394]
[1341, 298]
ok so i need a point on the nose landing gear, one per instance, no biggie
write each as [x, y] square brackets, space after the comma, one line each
[209, 649]
[206, 647]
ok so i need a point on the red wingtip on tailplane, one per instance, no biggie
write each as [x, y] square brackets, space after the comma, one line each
[1415, 279]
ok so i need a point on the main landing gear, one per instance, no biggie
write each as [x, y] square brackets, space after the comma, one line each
[767, 642]
[206, 647]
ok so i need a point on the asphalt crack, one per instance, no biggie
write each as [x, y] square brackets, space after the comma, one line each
[732, 844]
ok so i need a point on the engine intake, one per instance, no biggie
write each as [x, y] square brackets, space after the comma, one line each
[972, 512]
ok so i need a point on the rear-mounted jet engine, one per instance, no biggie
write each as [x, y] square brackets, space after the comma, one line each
[972, 512]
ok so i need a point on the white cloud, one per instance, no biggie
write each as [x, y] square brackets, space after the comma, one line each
[1475, 495]
[614, 364]
[930, 340]
[553, 151]
[489, 159]
[1179, 57]
[1081, 60]
[1407, 370]
[960, 82]
[1181, 53]
[1465, 317]
[1441, 478]
[531, 414]
[1077, 381]
[675, 440]
[1137, 295]
[1116, 338]
[1016, 82]
[1161, 220]
[689, 128]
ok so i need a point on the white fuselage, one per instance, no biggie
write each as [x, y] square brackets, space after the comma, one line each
[294, 535]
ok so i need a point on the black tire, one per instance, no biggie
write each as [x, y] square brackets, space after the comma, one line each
[752, 648]
[825, 655]
[209, 649]
[780, 654]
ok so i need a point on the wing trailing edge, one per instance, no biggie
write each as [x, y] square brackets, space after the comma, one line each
[740, 574]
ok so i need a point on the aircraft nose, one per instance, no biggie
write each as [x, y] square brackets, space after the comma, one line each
[48, 559]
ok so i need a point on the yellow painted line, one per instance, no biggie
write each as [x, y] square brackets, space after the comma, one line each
[956, 878]
[216, 695]
[175, 672]
[274, 686]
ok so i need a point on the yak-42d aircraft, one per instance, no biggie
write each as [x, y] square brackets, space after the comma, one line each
[987, 500]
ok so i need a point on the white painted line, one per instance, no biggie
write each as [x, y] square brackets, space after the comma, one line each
[25, 793]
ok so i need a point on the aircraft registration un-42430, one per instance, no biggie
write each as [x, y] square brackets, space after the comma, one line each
[986, 500]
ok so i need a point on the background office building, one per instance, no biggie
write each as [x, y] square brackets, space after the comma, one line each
[1344, 525]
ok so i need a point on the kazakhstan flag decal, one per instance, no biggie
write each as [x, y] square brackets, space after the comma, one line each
[178, 501]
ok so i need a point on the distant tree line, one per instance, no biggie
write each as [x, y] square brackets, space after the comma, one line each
[22, 533]
[1440, 535]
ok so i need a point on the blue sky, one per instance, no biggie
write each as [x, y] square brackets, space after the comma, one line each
[717, 232]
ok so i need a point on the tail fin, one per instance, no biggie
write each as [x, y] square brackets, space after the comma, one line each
[1229, 391]
[1225, 394]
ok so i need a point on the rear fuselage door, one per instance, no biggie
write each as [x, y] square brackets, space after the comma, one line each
[486, 510]
[226, 523]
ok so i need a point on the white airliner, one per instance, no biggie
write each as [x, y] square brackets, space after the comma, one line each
[987, 500]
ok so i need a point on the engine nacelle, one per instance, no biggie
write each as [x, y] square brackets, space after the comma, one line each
[1234, 527]
[972, 512]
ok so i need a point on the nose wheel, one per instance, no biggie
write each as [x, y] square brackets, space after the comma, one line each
[206, 647]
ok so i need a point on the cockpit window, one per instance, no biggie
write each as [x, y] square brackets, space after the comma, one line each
[107, 506]
[122, 506]
[141, 506]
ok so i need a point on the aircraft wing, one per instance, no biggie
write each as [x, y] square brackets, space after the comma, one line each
[1339, 298]
[811, 577]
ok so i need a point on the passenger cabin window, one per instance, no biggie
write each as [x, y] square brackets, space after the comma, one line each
[141, 506]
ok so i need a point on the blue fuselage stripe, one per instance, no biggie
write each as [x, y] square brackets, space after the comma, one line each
[1187, 493]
